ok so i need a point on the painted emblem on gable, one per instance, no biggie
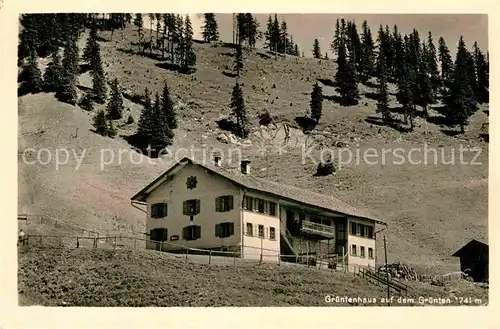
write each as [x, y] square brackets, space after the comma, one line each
[191, 182]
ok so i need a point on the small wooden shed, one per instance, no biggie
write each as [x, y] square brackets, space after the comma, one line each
[474, 260]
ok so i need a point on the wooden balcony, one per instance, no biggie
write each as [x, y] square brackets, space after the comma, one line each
[318, 229]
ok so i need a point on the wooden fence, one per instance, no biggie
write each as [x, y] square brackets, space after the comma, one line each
[195, 255]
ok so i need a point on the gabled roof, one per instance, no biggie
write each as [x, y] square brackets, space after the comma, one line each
[471, 244]
[258, 184]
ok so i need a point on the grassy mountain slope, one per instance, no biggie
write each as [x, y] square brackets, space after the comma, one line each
[431, 209]
[99, 277]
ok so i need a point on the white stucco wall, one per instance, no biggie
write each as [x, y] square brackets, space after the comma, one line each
[175, 192]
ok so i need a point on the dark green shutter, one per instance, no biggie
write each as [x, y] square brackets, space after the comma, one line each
[153, 211]
[231, 228]
[184, 232]
[217, 204]
[198, 232]
[165, 210]
[185, 209]
[164, 234]
[231, 202]
[217, 230]
[152, 235]
[197, 210]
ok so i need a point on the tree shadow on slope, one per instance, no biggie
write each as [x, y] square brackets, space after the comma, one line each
[138, 145]
[327, 82]
[147, 54]
[339, 100]
[84, 68]
[485, 137]
[306, 124]
[451, 132]
[176, 68]
[393, 123]
[264, 56]
[440, 120]
[227, 124]
[229, 74]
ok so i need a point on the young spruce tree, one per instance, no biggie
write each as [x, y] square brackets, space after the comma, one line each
[461, 103]
[238, 106]
[53, 74]
[238, 60]
[168, 109]
[115, 105]
[32, 76]
[67, 90]
[316, 49]
[383, 94]
[345, 79]
[210, 29]
[316, 102]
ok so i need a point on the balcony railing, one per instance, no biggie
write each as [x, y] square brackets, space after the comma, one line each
[316, 228]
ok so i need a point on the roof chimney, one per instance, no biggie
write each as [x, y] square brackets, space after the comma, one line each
[245, 167]
[217, 160]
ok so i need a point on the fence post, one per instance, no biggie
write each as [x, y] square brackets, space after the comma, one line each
[234, 258]
[60, 241]
[95, 242]
[114, 246]
[210, 257]
[187, 250]
[77, 242]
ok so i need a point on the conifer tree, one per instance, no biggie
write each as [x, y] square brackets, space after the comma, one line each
[326, 56]
[189, 54]
[178, 39]
[316, 102]
[152, 130]
[481, 64]
[89, 50]
[383, 95]
[424, 94]
[461, 103]
[367, 67]
[138, 22]
[210, 29]
[269, 35]
[446, 66]
[405, 91]
[238, 60]
[296, 50]
[354, 45]
[151, 21]
[158, 19]
[345, 78]
[471, 74]
[53, 74]
[432, 66]
[86, 102]
[32, 76]
[337, 38]
[115, 105]
[398, 56]
[238, 107]
[100, 123]
[284, 42]
[67, 90]
[167, 106]
[111, 129]
[316, 49]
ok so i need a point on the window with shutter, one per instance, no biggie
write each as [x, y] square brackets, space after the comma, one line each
[261, 206]
[249, 229]
[158, 210]
[191, 232]
[272, 208]
[353, 228]
[261, 231]
[152, 235]
[191, 207]
[272, 233]
[218, 204]
[224, 229]
[248, 203]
